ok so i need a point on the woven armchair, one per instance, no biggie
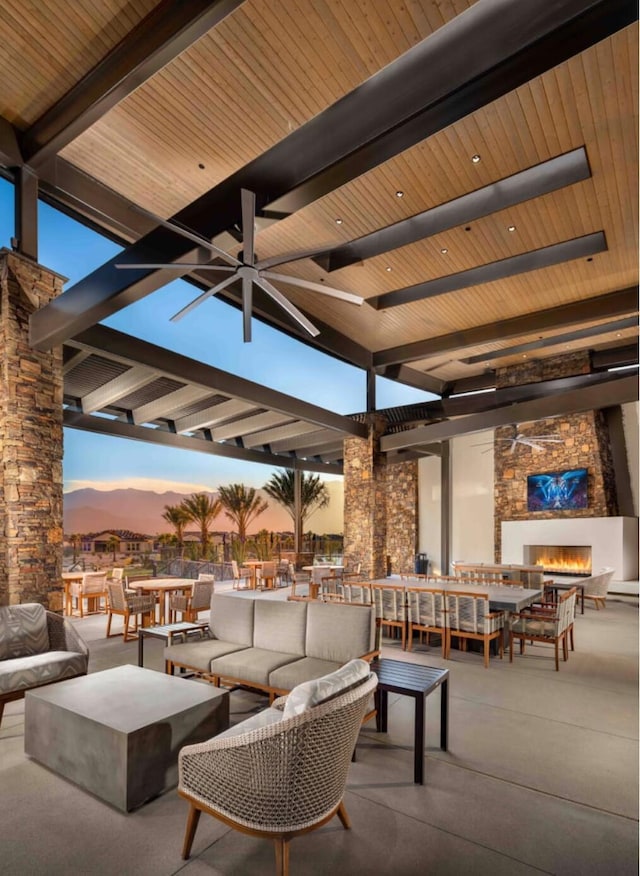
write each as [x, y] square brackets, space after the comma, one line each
[552, 625]
[597, 587]
[123, 603]
[280, 780]
[190, 604]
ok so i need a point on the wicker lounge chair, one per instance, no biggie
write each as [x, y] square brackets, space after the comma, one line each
[264, 781]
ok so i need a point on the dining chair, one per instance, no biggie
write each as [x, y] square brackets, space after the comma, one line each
[189, 604]
[357, 592]
[469, 618]
[331, 588]
[92, 587]
[551, 624]
[300, 586]
[140, 608]
[241, 573]
[427, 614]
[391, 609]
[266, 575]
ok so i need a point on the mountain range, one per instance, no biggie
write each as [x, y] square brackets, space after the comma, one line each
[89, 510]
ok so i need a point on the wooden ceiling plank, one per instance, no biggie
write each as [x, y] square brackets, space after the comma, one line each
[155, 41]
[54, 324]
[620, 303]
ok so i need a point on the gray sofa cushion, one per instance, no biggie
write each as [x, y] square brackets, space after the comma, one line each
[199, 654]
[280, 626]
[252, 665]
[23, 630]
[286, 677]
[339, 632]
[232, 619]
[23, 673]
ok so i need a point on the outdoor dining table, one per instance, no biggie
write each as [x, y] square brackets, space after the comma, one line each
[318, 571]
[501, 597]
[162, 588]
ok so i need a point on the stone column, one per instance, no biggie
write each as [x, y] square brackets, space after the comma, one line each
[380, 506]
[31, 389]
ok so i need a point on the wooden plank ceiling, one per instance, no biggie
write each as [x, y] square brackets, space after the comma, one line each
[215, 107]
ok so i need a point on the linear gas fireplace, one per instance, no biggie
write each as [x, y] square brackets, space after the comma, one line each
[559, 559]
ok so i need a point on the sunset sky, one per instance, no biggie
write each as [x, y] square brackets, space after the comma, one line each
[211, 334]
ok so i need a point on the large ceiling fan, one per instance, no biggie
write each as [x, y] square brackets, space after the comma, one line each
[535, 442]
[248, 269]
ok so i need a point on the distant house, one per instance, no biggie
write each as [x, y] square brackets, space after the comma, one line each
[129, 542]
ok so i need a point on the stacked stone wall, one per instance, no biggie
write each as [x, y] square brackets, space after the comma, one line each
[31, 389]
[584, 444]
[402, 516]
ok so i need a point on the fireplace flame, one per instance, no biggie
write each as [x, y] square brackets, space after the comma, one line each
[568, 565]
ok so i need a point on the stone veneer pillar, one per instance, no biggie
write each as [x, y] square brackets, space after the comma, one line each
[586, 444]
[380, 506]
[31, 388]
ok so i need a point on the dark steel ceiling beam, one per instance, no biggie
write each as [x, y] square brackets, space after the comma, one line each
[619, 389]
[615, 357]
[556, 173]
[412, 377]
[535, 260]
[170, 28]
[554, 340]
[619, 303]
[117, 428]
[133, 351]
[481, 54]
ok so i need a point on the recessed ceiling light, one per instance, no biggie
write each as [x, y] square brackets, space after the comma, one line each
[524, 355]
[511, 228]
[338, 221]
[201, 166]
[399, 194]
[388, 268]
[444, 250]
[475, 158]
[590, 259]
[618, 334]
[468, 228]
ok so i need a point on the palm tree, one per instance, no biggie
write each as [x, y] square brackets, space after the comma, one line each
[242, 505]
[178, 517]
[75, 540]
[202, 509]
[313, 494]
[113, 544]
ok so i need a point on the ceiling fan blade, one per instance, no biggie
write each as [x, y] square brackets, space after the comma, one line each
[291, 309]
[196, 301]
[190, 235]
[248, 201]
[179, 266]
[315, 287]
[247, 305]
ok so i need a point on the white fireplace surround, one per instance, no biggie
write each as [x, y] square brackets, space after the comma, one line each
[613, 540]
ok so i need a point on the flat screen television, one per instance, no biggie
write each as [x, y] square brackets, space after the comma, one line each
[557, 490]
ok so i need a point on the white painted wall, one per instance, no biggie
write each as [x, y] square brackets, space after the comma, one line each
[472, 500]
[429, 493]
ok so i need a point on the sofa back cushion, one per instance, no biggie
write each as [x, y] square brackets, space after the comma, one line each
[280, 626]
[231, 619]
[339, 632]
[23, 631]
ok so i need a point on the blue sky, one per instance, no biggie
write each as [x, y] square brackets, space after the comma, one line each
[272, 358]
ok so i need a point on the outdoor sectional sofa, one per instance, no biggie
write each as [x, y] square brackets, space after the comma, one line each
[37, 647]
[275, 645]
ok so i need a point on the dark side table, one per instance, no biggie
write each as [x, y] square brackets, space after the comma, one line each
[168, 632]
[417, 681]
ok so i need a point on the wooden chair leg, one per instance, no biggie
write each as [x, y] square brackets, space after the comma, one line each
[1, 710]
[192, 824]
[282, 855]
[343, 816]
[557, 660]
[109, 624]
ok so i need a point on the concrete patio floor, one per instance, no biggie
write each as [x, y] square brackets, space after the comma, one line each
[541, 777]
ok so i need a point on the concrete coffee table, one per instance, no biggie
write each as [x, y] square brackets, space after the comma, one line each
[117, 733]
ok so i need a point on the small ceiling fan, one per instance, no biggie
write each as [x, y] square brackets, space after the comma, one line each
[248, 269]
[535, 442]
